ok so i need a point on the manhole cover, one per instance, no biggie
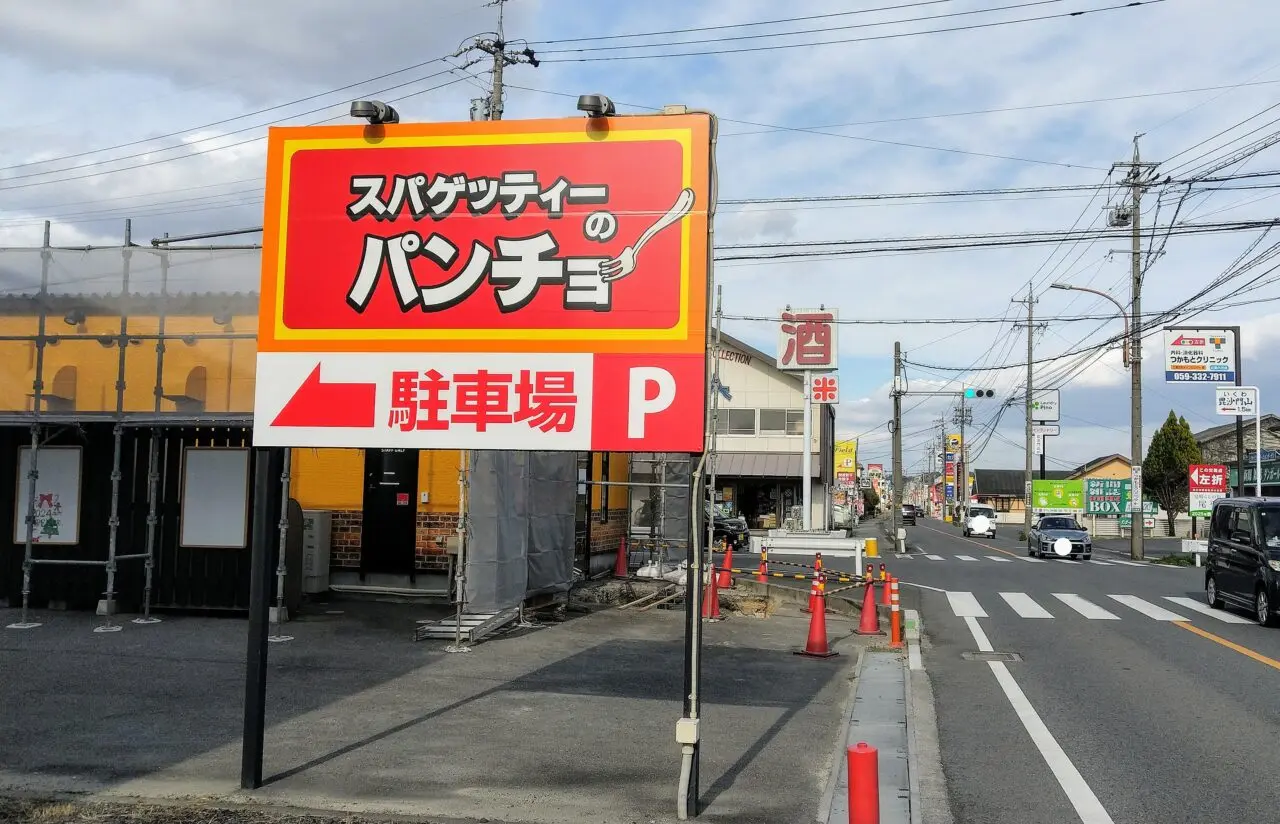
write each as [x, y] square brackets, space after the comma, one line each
[991, 656]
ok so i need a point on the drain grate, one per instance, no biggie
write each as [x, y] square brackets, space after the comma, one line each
[1010, 657]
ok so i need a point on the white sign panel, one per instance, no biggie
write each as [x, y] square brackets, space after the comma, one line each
[1043, 429]
[456, 400]
[1199, 355]
[1237, 400]
[1037, 443]
[807, 339]
[1046, 405]
[57, 509]
[1135, 493]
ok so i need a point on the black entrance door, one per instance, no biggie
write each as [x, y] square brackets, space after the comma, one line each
[389, 528]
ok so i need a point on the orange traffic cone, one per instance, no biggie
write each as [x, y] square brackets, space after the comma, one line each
[726, 578]
[620, 568]
[870, 623]
[816, 645]
[711, 598]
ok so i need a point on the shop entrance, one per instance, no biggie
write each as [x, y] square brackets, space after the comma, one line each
[389, 521]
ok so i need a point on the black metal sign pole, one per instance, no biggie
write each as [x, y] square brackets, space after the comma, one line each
[1239, 419]
[267, 493]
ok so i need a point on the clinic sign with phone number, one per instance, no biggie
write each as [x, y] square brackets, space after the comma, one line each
[1200, 356]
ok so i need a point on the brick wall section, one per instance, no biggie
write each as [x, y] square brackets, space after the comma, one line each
[605, 537]
[433, 529]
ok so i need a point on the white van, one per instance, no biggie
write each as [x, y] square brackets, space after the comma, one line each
[980, 519]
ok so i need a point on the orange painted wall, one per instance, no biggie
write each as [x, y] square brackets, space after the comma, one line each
[334, 479]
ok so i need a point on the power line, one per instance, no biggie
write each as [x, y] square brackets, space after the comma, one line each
[806, 18]
[738, 37]
[971, 27]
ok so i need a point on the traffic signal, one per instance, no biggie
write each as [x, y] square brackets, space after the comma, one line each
[979, 393]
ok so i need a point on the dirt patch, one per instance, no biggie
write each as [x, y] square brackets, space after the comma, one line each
[757, 606]
[43, 811]
[614, 592]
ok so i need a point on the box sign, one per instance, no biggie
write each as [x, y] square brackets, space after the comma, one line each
[1057, 496]
[1106, 496]
[1046, 405]
[1207, 483]
[1199, 355]
[535, 284]
[807, 340]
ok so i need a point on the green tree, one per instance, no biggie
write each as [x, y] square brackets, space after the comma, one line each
[870, 501]
[1164, 472]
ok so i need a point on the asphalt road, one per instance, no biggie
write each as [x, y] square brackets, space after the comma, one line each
[1130, 704]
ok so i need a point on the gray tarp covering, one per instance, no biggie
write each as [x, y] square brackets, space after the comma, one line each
[521, 510]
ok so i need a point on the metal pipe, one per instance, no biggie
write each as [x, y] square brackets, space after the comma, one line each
[131, 557]
[460, 574]
[166, 240]
[37, 390]
[65, 562]
[281, 568]
[113, 522]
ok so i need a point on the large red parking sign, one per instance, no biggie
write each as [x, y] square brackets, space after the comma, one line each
[492, 285]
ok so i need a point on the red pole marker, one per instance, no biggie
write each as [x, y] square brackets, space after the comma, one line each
[895, 618]
[620, 568]
[864, 784]
[711, 598]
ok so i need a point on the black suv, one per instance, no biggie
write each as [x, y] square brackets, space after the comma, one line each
[1242, 568]
[909, 514]
[729, 528]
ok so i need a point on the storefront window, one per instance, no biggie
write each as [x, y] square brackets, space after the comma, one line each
[736, 422]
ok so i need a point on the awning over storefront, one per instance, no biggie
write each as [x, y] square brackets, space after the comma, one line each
[764, 465]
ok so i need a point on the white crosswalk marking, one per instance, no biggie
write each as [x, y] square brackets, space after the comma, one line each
[965, 558]
[1205, 609]
[1100, 563]
[935, 557]
[1029, 559]
[1088, 609]
[1025, 605]
[1146, 608]
[998, 558]
[964, 605]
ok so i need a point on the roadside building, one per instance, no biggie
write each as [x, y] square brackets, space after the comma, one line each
[759, 434]
[177, 398]
[1218, 444]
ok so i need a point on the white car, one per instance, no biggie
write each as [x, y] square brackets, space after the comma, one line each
[980, 520]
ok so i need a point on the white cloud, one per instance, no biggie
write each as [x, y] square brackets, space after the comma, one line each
[83, 78]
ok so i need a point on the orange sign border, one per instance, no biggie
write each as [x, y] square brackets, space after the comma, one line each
[692, 131]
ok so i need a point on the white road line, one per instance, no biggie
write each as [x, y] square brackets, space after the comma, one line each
[964, 605]
[1205, 609]
[1088, 609]
[1078, 792]
[935, 557]
[1029, 559]
[1147, 608]
[1100, 563]
[1025, 605]
[965, 558]
[979, 637]
[998, 558]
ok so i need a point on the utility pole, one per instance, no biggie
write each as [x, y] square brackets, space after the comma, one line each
[899, 541]
[496, 47]
[1031, 343]
[1137, 179]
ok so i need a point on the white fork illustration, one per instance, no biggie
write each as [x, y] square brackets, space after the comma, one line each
[625, 263]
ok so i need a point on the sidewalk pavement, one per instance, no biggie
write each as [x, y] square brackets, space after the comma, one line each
[571, 723]
[1152, 547]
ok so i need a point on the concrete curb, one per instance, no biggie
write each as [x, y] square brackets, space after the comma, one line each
[930, 803]
[838, 752]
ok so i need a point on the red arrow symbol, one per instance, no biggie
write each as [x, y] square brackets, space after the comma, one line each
[329, 404]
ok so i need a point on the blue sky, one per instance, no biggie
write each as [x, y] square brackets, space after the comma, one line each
[83, 78]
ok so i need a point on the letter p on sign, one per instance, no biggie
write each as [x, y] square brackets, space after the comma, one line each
[651, 389]
[649, 403]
